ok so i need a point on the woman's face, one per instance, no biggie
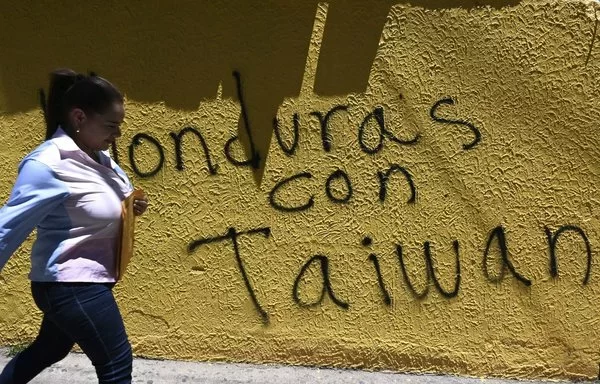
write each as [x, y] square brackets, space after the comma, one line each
[96, 132]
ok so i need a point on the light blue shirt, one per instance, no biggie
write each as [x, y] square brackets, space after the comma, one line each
[75, 203]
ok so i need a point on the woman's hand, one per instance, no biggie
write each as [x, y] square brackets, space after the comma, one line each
[140, 205]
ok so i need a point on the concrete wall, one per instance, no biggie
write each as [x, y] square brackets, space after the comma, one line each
[431, 201]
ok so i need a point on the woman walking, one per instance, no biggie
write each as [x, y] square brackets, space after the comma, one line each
[71, 190]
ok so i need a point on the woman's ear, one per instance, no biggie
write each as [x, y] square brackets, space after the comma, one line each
[77, 117]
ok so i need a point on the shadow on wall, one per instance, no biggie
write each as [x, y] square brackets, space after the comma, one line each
[179, 53]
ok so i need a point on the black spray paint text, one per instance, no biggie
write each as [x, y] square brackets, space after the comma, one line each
[496, 242]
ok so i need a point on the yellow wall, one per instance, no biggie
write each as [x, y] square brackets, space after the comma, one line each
[522, 74]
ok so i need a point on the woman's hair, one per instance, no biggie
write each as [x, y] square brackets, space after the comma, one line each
[69, 89]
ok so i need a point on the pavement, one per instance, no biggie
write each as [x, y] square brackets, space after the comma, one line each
[77, 369]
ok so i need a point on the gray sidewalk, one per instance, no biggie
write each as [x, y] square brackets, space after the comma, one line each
[76, 369]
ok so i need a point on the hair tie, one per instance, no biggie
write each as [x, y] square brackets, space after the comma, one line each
[77, 79]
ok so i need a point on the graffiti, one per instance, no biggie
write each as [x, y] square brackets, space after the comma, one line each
[339, 174]
[499, 234]
[326, 284]
[324, 121]
[385, 176]
[552, 242]
[373, 135]
[136, 141]
[336, 175]
[233, 236]
[177, 138]
[285, 182]
[431, 278]
[430, 271]
[436, 282]
[409, 285]
[450, 101]
[288, 150]
[254, 159]
[384, 292]
[378, 115]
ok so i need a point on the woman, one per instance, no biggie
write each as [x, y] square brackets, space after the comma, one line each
[72, 191]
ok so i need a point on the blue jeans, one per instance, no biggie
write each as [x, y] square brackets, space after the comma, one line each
[82, 313]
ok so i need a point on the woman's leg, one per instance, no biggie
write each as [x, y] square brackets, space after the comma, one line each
[50, 346]
[89, 314]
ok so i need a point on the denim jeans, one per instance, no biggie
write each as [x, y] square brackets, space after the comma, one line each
[82, 313]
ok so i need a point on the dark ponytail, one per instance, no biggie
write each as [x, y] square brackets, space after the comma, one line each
[69, 90]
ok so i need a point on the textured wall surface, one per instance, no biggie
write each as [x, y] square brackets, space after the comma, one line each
[430, 200]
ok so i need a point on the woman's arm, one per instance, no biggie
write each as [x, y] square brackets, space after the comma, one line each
[35, 194]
